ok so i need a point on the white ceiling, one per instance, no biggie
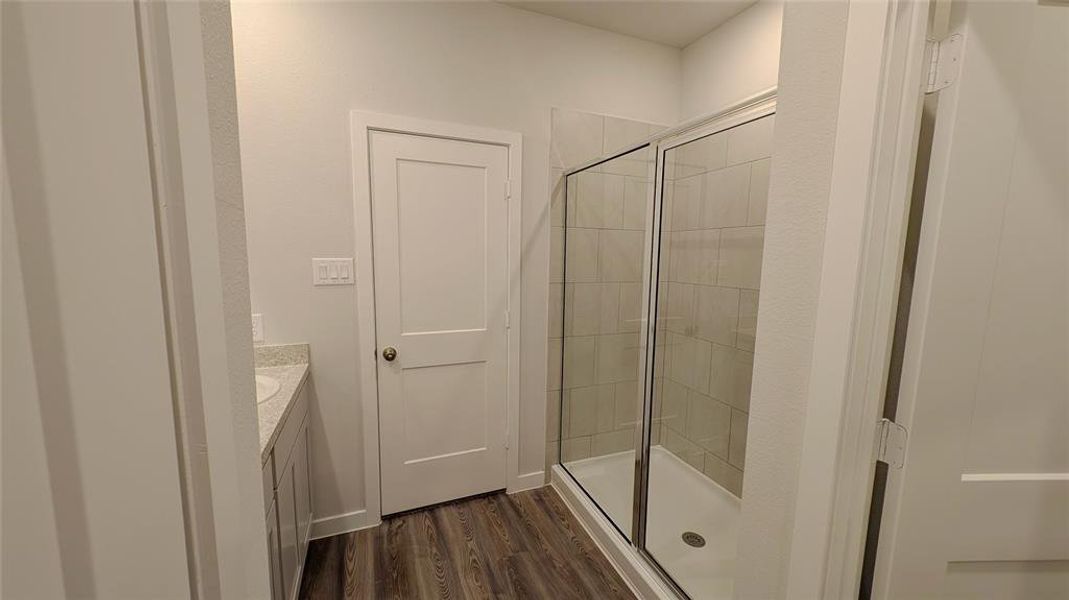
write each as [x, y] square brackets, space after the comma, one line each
[670, 22]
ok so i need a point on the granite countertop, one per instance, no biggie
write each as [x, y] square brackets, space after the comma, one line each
[288, 364]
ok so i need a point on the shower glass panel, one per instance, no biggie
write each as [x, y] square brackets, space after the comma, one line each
[714, 191]
[662, 256]
[607, 216]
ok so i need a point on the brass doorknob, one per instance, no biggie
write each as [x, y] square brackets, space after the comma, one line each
[389, 353]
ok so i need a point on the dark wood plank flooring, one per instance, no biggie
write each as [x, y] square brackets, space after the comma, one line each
[527, 545]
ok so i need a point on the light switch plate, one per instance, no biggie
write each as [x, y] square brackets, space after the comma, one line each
[257, 328]
[333, 271]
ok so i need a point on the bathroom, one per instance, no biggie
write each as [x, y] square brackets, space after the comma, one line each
[533, 299]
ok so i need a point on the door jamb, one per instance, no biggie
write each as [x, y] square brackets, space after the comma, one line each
[881, 97]
[362, 124]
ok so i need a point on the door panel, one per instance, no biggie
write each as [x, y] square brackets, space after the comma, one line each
[983, 501]
[441, 291]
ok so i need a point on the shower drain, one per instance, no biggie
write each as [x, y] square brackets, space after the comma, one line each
[693, 539]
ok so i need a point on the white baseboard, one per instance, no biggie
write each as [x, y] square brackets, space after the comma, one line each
[527, 481]
[638, 576]
[343, 523]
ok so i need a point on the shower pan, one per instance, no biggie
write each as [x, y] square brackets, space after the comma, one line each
[662, 267]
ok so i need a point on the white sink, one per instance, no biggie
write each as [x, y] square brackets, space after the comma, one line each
[266, 387]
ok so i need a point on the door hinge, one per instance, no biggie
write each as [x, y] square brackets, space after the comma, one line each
[508, 189]
[944, 62]
[508, 320]
[891, 443]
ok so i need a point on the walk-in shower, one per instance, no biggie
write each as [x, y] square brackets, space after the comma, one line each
[662, 251]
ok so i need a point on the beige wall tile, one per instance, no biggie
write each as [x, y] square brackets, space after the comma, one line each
[617, 358]
[573, 449]
[576, 137]
[636, 202]
[613, 202]
[554, 347]
[555, 321]
[626, 401]
[737, 451]
[679, 307]
[606, 408]
[612, 442]
[708, 423]
[556, 254]
[593, 308]
[716, 314]
[553, 407]
[747, 329]
[581, 255]
[751, 141]
[620, 133]
[740, 257]
[590, 200]
[630, 312]
[729, 477]
[726, 197]
[673, 404]
[557, 185]
[758, 191]
[693, 257]
[620, 255]
[685, 449]
[731, 372]
[686, 203]
[579, 361]
[581, 408]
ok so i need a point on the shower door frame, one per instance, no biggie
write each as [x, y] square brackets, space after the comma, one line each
[751, 109]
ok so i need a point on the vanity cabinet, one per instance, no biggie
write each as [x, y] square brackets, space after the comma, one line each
[289, 518]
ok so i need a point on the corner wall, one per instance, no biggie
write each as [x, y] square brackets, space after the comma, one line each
[814, 36]
[738, 59]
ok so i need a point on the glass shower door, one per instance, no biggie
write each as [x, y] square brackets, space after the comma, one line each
[711, 238]
[605, 250]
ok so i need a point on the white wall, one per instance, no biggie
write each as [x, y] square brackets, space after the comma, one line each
[799, 189]
[91, 498]
[736, 60]
[302, 67]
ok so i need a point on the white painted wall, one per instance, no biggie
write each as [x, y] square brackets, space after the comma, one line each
[91, 498]
[302, 67]
[799, 189]
[734, 61]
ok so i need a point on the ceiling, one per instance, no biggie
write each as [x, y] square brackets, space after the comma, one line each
[670, 22]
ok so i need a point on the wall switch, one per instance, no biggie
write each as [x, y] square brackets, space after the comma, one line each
[333, 271]
[257, 328]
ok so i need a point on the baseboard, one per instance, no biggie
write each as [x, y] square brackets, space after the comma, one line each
[527, 481]
[638, 576]
[343, 523]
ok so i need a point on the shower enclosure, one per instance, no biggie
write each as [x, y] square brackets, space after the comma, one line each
[661, 256]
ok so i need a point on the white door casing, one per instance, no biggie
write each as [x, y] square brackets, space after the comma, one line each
[981, 508]
[440, 230]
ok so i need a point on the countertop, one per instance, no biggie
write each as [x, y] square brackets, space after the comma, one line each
[291, 377]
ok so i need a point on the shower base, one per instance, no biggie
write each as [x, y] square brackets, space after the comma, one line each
[681, 500]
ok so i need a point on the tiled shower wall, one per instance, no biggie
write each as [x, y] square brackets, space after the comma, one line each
[606, 219]
[712, 238]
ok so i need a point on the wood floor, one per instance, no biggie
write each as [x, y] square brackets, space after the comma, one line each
[527, 545]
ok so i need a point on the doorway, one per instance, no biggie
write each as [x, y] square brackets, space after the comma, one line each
[442, 251]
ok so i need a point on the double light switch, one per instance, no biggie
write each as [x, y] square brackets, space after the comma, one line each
[332, 271]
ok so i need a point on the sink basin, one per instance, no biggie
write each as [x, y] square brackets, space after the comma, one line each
[266, 387]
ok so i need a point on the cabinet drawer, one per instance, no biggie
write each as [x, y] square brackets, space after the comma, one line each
[288, 436]
[269, 481]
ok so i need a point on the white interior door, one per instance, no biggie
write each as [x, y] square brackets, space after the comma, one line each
[981, 508]
[440, 216]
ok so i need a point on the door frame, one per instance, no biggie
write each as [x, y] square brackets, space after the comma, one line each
[880, 105]
[362, 124]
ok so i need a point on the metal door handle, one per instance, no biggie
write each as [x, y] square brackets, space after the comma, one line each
[389, 353]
